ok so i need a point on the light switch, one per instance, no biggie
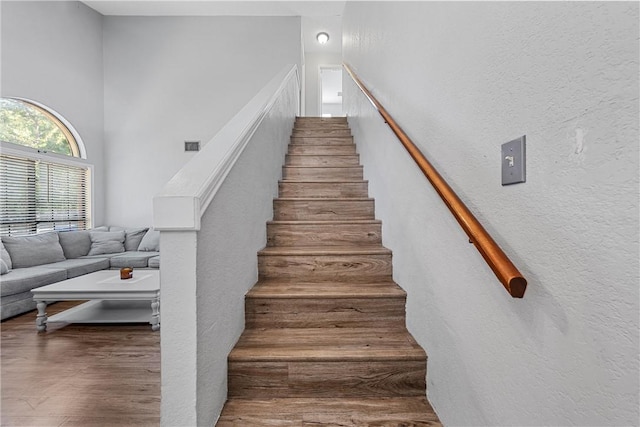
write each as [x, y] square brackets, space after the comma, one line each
[513, 161]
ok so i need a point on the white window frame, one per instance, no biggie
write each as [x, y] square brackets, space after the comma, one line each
[22, 151]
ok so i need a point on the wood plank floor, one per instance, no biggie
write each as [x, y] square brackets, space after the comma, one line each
[79, 375]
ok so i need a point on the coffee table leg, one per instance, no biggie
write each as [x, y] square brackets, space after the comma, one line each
[41, 319]
[155, 314]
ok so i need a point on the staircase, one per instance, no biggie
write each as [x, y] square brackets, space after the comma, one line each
[325, 340]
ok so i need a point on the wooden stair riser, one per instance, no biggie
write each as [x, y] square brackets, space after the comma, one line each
[346, 378]
[321, 122]
[329, 234]
[311, 189]
[321, 161]
[326, 140]
[321, 132]
[325, 312]
[323, 209]
[350, 173]
[319, 126]
[322, 150]
[355, 268]
[312, 119]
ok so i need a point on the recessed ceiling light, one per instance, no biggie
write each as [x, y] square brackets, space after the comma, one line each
[322, 38]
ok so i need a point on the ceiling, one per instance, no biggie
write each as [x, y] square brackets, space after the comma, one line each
[316, 16]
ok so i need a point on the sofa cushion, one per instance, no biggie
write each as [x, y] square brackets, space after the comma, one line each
[75, 243]
[4, 269]
[154, 262]
[25, 279]
[79, 266]
[106, 242]
[5, 256]
[29, 251]
[150, 242]
[132, 236]
[135, 259]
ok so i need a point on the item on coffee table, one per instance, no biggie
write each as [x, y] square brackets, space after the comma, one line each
[126, 273]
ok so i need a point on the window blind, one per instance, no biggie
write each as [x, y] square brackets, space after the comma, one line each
[38, 196]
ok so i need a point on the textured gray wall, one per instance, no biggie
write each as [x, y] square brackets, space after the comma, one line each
[171, 79]
[52, 54]
[461, 79]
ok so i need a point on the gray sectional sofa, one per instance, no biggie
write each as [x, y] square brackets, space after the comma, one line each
[29, 262]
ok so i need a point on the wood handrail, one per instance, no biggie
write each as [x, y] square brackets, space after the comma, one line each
[507, 273]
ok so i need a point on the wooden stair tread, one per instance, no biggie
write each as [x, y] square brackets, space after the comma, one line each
[311, 118]
[324, 147]
[323, 155]
[316, 124]
[324, 139]
[318, 149]
[326, 222]
[321, 128]
[319, 133]
[322, 181]
[325, 250]
[323, 167]
[321, 123]
[371, 411]
[326, 344]
[327, 146]
[328, 199]
[305, 289]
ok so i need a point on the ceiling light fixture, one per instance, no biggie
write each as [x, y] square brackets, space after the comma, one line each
[322, 38]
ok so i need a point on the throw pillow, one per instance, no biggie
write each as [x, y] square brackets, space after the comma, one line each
[106, 242]
[75, 243]
[150, 242]
[3, 267]
[132, 236]
[5, 256]
[28, 251]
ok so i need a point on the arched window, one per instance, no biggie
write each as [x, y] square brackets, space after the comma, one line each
[44, 184]
[25, 123]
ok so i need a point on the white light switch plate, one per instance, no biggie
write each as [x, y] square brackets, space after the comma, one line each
[513, 161]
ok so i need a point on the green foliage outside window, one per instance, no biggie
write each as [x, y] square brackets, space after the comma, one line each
[28, 125]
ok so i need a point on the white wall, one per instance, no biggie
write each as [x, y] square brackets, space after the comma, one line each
[52, 54]
[461, 79]
[171, 79]
[313, 61]
[203, 301]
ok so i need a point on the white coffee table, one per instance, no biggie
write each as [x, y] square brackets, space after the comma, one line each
[111, 299]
